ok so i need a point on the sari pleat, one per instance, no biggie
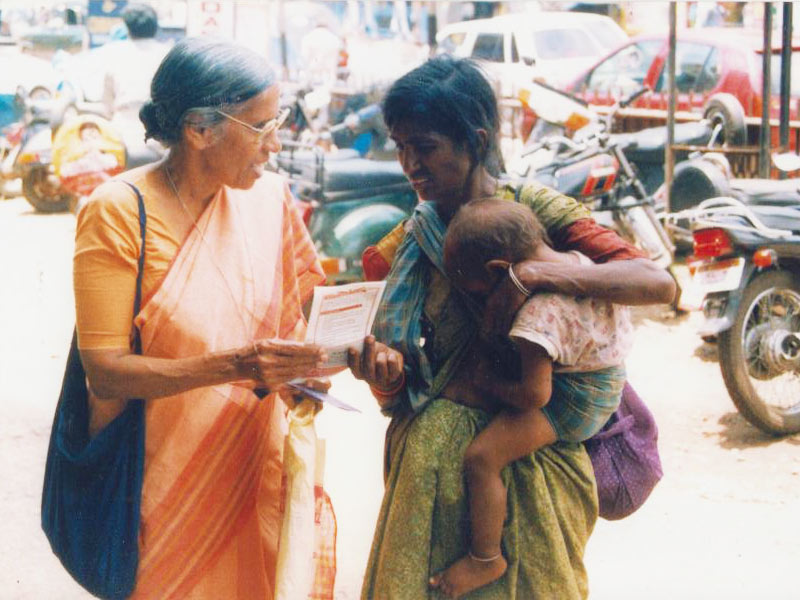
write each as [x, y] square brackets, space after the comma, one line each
[211, 496]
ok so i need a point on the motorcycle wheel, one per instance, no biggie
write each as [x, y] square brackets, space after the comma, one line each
[765, 393]
[725, 109]
[43, 195]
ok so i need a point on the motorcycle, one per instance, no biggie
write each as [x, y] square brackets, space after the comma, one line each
[348, 202]
[558, 113]
[594, 169]
[320, 117]
[31, 157]
[746, 270]
[45, 160]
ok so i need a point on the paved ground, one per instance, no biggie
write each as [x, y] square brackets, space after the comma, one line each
[723, 523]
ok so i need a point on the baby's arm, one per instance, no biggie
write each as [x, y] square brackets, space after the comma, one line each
[532, 390]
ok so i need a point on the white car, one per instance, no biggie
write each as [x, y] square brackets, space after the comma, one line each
[516, 48]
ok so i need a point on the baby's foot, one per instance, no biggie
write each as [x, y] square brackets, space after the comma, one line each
[467, 574]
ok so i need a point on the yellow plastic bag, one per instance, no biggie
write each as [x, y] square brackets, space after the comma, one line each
[297, 573]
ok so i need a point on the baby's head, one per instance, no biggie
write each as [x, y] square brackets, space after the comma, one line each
[484, 237]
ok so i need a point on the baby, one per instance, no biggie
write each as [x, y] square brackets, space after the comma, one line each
[571, 352]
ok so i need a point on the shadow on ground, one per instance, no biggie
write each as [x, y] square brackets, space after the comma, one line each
[737, 433]
[707, 352]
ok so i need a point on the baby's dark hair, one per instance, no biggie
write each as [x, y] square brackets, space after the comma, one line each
[484, 230]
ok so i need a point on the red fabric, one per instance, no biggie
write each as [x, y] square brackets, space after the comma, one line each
[597, 242]
[585, 235]
[324, 547]
[375, 266]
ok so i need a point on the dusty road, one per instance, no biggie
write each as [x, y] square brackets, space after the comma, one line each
[724, 522]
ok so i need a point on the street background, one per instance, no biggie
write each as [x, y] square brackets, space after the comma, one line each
[723, 523]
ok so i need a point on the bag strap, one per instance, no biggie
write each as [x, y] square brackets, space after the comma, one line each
[137, 301]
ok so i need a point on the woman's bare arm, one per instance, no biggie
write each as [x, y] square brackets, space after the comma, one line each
[636, 281]
[117, 373]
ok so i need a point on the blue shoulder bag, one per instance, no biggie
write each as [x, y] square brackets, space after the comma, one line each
[93, 486]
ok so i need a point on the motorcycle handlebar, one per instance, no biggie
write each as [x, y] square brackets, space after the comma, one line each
[636, 94]
[624, 103]
[556, 140]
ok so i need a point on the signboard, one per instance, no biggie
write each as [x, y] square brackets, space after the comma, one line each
[210, 17]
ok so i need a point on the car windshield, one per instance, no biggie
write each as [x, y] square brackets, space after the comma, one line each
[608, 34]
[563, 43]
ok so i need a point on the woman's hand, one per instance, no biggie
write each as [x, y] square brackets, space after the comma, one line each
[271, 363]
[380, 366]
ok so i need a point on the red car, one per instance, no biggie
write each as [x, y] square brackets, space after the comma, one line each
[708, 61]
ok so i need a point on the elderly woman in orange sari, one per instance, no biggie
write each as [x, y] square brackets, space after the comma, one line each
[227, 267]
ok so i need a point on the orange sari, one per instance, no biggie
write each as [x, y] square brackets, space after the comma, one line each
[211, 513]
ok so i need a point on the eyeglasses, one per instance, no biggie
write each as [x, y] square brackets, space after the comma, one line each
[269, 127]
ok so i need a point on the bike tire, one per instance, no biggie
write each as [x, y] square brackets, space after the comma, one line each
[34, 189]
[725, 109]
[733, 364]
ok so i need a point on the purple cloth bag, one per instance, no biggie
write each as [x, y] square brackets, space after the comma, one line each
[625, 457]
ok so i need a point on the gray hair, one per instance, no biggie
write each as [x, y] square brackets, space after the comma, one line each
[197, 78]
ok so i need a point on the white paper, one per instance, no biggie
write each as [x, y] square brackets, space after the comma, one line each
[341, 317]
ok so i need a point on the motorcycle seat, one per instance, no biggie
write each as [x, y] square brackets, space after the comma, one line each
[780, 217]
[647, 145]
[343, 174]
[785, 192]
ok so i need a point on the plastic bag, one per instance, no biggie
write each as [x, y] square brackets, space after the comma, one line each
[307, 551]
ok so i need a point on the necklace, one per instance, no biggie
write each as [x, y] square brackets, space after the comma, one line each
[205, 244]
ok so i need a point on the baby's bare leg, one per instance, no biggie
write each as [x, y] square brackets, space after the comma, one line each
[510, 435]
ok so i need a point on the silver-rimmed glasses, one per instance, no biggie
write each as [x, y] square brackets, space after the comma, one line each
[269, 126]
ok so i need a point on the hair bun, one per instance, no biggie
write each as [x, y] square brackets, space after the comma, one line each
[149, 116]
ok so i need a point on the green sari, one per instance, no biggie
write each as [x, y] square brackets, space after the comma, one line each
[423, 525]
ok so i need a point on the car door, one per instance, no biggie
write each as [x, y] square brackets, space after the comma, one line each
[620, 74]
[492, 50]
[698, 70]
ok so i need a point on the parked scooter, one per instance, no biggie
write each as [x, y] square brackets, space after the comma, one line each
[49, 183]
[594, 169]
[746, 269]
[348, 202]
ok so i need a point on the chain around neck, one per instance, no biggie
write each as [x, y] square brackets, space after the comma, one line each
[203, 241]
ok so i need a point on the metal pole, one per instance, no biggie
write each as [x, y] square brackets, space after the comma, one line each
[432, 26]
[282, 39]
[766, 69]
[669, 157]
[786, 76]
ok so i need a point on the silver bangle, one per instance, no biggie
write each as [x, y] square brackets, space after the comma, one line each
[517, 283]
[484, 560]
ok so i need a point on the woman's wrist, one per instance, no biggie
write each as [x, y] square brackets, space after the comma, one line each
[521, 287]
[526, 275]
[391, 391]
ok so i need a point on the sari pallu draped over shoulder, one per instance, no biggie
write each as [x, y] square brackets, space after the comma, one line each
[398, 322]
[211, 497]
